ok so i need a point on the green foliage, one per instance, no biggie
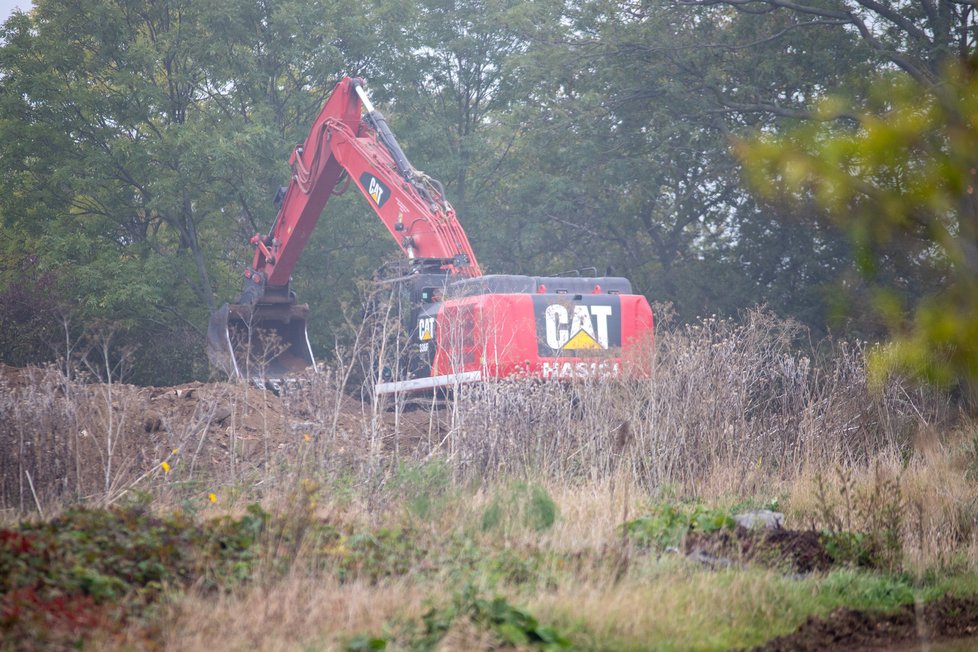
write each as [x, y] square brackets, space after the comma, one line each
[364, 643]
[31, 301]
[116, 562]
[863, 524]
[425, 487]
[862, 590]
[510, 625]
[515, 626]
[141, 146]
[509, 567]
[541, 512]
[669, 523]
[519, 506]
[903, 185]
[855, 548]
[125, 559]
[371, 556]
[627, 160]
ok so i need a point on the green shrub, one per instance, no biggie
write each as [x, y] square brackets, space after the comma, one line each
[669, 523]
[424, 487]
[520, 506]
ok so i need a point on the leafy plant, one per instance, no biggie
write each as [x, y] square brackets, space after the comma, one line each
[372, 555]
[854, 548]
[520, 506]
[424, 486]
[669, 523]
[862, 524]
[364, 643]
[902, 184]
[89, 562]
[511, 625]
[515, 626]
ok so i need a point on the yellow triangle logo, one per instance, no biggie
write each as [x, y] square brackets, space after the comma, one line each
[582, 341]
[426, 336]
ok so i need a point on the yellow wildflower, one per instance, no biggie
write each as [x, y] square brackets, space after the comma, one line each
[165, 466]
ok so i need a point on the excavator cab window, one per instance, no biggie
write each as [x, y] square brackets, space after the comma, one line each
[431, 295]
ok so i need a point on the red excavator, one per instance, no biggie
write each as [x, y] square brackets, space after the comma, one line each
[464, 326]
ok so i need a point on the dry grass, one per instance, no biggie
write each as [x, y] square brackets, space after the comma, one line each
[929, 491]
[725, 400]
[297, 613]
[733, 415]
[602, 592]
[731, 409]
[734, 401]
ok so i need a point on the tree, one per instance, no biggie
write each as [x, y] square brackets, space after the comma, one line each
[624, 153]
[917, 36]
[903, 184]
[142, 142]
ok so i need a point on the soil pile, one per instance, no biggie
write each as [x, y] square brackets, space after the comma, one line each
[795, 550]
[78, 437]
[914, 625]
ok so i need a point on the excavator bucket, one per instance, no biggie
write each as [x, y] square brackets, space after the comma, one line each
[262, 341]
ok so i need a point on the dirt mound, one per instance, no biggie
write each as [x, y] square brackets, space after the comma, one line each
[16, 377]
[73, 437]
[846, 629]
[799, 551]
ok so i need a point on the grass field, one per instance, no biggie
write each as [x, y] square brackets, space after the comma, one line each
[516, 516]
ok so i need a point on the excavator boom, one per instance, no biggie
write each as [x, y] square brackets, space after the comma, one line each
[263, 333]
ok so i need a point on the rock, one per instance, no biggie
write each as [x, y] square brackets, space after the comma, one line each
[712, 561]
[221, 413]
[761, 519]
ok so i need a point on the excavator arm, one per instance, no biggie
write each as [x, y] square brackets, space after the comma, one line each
[264, 332]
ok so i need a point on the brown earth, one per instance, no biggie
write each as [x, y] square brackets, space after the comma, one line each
[948, 620]
[210, 431]
[913, 627]
[795, 550]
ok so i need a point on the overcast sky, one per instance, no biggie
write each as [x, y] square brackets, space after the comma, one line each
[7, 7]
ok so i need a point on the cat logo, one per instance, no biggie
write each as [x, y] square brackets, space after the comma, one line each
[577, 328]
[426, 329]
[375, 188]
